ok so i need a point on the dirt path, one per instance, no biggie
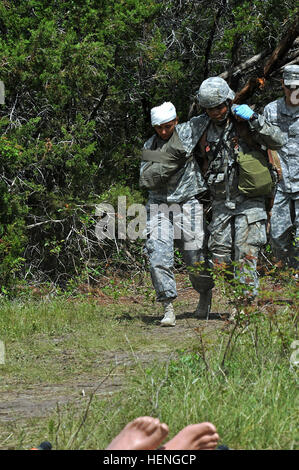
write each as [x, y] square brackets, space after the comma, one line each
[20, 401]
[39, 400]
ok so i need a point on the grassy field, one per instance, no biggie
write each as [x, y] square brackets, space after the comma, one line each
[78, 368]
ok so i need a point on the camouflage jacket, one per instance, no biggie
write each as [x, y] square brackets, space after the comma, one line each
[187, 182]
[222, 174]
[287, 119]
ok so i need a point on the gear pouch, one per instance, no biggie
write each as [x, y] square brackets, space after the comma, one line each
[254, 175]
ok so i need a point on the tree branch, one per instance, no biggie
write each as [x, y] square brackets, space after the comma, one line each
[283, 47]
[272, 64]
[246, 65]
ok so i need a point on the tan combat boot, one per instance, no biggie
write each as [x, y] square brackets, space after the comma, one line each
[169, 316]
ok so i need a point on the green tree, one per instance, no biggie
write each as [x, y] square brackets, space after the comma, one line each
[80, 79]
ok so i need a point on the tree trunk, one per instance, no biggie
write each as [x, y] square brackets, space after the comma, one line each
[272, 64]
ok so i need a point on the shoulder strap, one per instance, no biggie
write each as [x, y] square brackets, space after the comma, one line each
[202, 144]
[203, 141]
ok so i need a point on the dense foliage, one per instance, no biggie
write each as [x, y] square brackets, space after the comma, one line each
[80, 79]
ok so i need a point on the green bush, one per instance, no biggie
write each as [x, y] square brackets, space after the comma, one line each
[80, 80]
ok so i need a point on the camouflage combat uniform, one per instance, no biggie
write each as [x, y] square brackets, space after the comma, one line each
[184, 228]
[285, 211]
[238, 225]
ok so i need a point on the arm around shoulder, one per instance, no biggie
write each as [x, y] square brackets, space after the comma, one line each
[267, 133]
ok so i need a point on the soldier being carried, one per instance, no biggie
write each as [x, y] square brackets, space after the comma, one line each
[175, 217]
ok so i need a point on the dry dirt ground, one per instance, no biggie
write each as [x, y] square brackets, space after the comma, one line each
[38, 399]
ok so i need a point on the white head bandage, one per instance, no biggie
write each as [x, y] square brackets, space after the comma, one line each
[164, 113]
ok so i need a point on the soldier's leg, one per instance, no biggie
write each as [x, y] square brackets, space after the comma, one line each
[190, 228]
[221, 238]
[294, 248]
[221, 230]
[159, 249]
[201, 280]
[192, 244]
[249, 238]
[281, 227]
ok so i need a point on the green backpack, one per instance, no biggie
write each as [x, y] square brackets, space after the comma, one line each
[254, 175]
[162, 164]
[259, 170]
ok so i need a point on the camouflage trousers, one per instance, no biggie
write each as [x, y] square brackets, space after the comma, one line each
[284, 231]
[169, 227]
[236, 237]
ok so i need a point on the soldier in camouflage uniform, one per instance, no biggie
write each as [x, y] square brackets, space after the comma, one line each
[284, 113]
[238, 225]
[184, 226]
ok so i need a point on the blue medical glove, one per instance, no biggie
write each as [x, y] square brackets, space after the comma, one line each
[243, 111]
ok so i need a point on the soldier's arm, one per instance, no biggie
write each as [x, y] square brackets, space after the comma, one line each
[266, 133]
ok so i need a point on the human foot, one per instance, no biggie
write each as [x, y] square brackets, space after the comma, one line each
[202, 436]
[144, 433]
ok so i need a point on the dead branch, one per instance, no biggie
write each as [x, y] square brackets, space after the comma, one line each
[272, 64]
[282, 48]
[254, 60]
[247, 64]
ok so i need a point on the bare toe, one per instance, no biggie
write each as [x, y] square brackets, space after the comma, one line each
[144, 433]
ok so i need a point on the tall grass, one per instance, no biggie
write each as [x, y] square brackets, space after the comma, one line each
[252, 399]
[239, 376]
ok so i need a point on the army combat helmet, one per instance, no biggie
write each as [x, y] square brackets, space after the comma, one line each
[214, 91]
